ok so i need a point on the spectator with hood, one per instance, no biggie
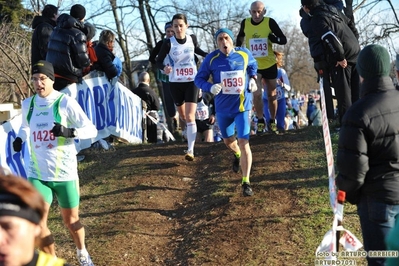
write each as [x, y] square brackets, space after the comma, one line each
[368, 151]
[67, 49]
[43, 27]
[339, 40]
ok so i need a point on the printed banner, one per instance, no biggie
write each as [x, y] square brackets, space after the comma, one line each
[113, 109]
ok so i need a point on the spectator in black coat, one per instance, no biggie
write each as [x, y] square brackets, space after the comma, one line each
[149, 96]
[43, 27]
[67, 49]
[321, 66]
[105, 57]
[339, 39]
[368, 150]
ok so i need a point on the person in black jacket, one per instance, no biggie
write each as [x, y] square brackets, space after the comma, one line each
[67, 49]
[368, 150]
[43, 27]
[339, 39]
[149, 96]
[167, 100]
[321, 66]
[105, 57]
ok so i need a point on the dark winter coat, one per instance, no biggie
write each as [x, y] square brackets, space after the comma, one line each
[67, 49]
[368, 147]
[148, 95]
[43, 27]
[338, 34]
[316, 47]
[105, 60]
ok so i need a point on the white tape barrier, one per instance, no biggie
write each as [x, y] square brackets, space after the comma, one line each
[347, 240]
[156, 121]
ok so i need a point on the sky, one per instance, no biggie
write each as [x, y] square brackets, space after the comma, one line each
[281, 10]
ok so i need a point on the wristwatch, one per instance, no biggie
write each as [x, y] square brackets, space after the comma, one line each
[74, 133]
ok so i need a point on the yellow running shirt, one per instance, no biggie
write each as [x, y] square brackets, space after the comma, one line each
[257, 41]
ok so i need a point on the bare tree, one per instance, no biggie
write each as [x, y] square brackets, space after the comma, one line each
[139, 24]
[377, 22]
[297, 60]
[15, 63]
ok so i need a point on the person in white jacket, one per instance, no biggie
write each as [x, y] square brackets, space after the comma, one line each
[51, 121]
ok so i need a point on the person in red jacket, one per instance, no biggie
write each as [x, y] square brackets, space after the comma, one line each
[90, 32]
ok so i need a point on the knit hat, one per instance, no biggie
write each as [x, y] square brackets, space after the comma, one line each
[168, 25]
[373, 61]
[310, 3]
[49, 11]
[78, 12]
[397, 62]
[45, 68]
[224, 30]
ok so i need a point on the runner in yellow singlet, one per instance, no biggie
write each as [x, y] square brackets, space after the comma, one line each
[258, 33]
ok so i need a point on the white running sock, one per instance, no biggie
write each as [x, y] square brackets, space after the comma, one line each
[82, 252]
[191, 135]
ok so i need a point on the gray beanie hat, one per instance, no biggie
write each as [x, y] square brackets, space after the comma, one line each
[373, 61]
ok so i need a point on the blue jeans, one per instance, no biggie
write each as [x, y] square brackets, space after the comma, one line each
[376, 219]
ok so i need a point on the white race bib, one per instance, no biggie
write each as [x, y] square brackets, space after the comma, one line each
[185, 72]
[258, 47]
[280, 92]
[232, 81]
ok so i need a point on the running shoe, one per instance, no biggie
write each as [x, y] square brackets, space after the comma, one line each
[273, 126]
[247, 190]
[236, 164]
[260, 129]
[84, 260]
[189, 156]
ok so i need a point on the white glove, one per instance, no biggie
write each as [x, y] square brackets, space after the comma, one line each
[216, 88]
[252, 85]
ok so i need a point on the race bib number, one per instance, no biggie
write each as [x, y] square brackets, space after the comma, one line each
[202, 112]
[232, 81]
[280, 92]
[42, 135]
[185, 73]
[258, 47]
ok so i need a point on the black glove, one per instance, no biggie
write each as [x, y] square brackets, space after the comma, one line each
[60, 131]
[17, 144]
